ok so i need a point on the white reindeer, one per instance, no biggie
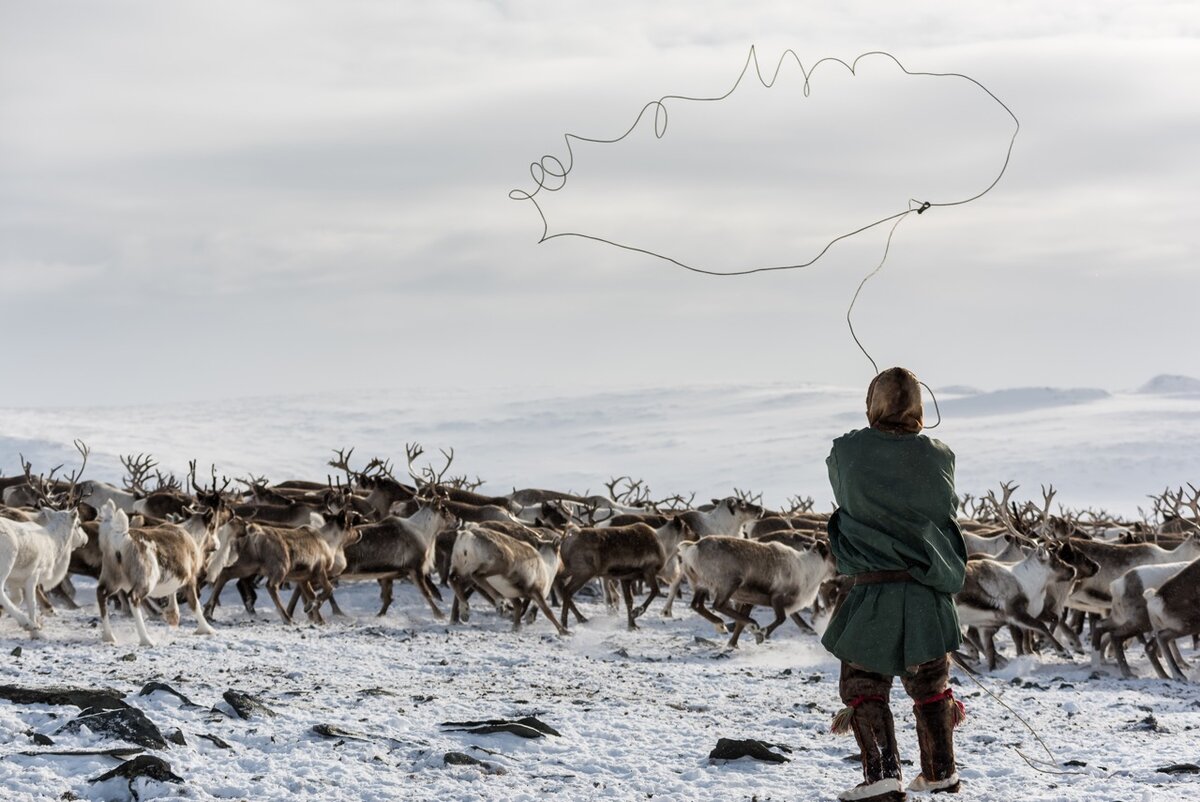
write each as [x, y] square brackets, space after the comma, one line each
[148, 562]
[32, 553]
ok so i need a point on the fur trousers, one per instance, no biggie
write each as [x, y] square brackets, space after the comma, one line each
[869, 716]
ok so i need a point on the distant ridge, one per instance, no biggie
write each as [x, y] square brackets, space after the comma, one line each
[959, 389]
[1170, 384]
[1022, 399]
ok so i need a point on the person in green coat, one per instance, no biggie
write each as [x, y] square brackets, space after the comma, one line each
[896, 539]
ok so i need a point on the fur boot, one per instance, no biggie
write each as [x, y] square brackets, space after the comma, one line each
[936, 718]
[874, 730]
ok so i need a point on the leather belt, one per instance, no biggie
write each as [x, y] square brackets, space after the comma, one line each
[879, 577]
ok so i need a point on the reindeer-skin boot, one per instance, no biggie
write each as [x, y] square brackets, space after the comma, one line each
[871, 721]
[936, 718]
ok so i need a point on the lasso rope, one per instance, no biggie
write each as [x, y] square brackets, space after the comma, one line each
[1030, 761]
[549, 173]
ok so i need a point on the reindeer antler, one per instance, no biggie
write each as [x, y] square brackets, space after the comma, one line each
[138, 470]
[343, 462]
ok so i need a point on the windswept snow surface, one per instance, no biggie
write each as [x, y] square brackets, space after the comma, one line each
[638, 712]
[1098, 448]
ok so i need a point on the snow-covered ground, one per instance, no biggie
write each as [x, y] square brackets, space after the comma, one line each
[638, 712]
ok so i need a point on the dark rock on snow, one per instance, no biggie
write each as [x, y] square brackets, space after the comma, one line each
[128, 724]
[734, 748]
[142, 766]
[152, 687]
[463, 759]
[527, 727]
[84, 698]
[246, 705]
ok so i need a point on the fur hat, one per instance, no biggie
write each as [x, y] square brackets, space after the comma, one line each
[894, 402]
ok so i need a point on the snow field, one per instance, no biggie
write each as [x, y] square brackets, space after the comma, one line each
[638, 711]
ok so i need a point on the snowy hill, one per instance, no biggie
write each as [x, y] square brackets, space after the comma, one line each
[1098, 448]
[1167, 384]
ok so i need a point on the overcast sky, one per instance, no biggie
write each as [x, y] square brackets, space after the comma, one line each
[208, 199]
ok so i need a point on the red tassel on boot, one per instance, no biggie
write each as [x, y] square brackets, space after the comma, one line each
[841, 720]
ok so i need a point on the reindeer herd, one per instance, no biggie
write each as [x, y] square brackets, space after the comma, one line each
[1042, 575]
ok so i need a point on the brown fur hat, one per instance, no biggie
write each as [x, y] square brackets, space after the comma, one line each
[894, 402]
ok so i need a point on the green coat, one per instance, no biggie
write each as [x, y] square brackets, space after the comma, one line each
[896, 510]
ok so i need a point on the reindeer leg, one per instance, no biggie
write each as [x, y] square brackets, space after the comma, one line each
[988, 636]
[698, 598]
[333, 605]
[245, 588]
[139, 622]
[1098, 633]
[273, 589]
[31, 604]
[780, 616]
[1026, 621]
[545, 608]
[738, 627]
[651, 581]
[43, 601]
[1055, 624]
[1151, 647]
[296, 591]
[516, 610]
[65, 592]
[315, 599]
[385, 595]
[1020, 641]
[193, 600]
[1178, 657]
[460, 610]
[433, 588]
[172, 611]
[421, 581]
[102, 603]
[723, 606]
[569, 589]
[627, 593]
[214, 595]
[672, 592]
[1118, 644]
[800, 622]
[1164, 649]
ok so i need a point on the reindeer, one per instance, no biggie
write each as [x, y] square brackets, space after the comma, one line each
[305, 555]
[1128, 616]
[997, 594]
[1174, 612]
[396, 547]
[35, 554]
[506, 566]
[732, 571]
[1093, 594]
[148, 562]
[614, 553]
[727, 517]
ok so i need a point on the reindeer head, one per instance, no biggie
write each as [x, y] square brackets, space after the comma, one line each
[684, 528]
[104, 515]
[1084, 565]
[65, 524]
[741, 506]
[112, 519]
[229, 538]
